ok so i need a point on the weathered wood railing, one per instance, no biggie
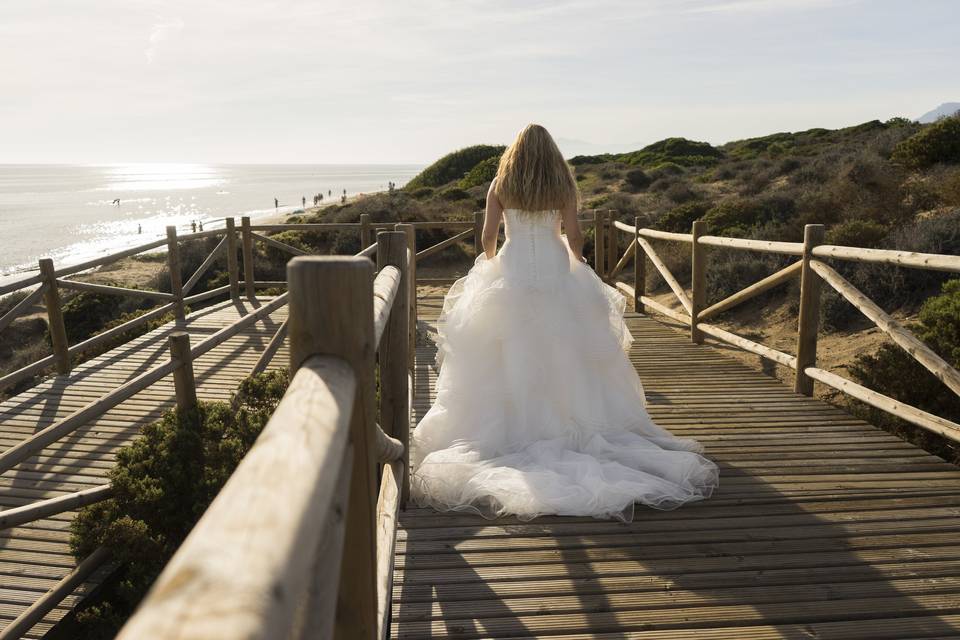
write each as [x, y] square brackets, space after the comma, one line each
[391, 293]
[813, 271]
[269, 558]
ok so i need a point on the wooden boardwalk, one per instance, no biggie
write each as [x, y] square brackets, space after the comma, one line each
[35, 556]
[824, 527]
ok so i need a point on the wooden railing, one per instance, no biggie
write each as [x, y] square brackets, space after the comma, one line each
[269, 558]
[813, 271]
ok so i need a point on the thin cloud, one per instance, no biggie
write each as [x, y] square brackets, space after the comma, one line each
[749, 6]
[160, 32]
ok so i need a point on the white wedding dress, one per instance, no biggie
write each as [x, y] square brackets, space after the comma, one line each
[539, 410]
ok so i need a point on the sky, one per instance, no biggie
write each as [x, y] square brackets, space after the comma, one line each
[395, 81]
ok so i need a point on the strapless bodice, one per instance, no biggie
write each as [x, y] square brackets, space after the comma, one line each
[534, 253]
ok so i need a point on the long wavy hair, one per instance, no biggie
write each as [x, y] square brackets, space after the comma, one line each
[533, 176]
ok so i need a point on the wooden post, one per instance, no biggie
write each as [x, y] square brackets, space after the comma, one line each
[809, 322]
[365, 235]
[331, 313]
[478, 232]
[613, 247]
[698, 279]
[639, 269]
[248, 277]
[408, 229]
[58, 331]
[394, 352]
[176, 277]
[598, 257]
[232, 269]
[183, 380]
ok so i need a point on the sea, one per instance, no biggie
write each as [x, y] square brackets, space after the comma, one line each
[75, 213]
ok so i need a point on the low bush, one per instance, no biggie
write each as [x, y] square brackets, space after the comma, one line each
[637, 179]
[422, 192]
[893, 372]
[453, 193]
[680, 192]
[935, 143]
[481, 174]
[163, 483]
[453, 166]
[857, 233]
[680, 219]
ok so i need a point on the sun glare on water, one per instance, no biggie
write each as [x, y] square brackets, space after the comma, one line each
[161, 177]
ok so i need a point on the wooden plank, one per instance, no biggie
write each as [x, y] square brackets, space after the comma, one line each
[821, 522]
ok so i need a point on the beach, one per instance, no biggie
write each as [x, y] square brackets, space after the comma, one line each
[75, 213]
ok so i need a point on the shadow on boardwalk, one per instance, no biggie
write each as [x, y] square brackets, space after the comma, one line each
[34, 556]
[824, 527]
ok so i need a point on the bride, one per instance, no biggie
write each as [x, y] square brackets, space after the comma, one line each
[538, 408]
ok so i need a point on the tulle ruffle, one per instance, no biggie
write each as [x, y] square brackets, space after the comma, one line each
[539, 410]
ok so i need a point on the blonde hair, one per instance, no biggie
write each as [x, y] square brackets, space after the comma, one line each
[533, 175]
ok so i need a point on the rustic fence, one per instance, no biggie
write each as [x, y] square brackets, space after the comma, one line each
[812, 269]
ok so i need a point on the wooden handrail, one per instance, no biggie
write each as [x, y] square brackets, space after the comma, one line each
[243, 570]
[204, 266]
[318, 452]
[763, 246]
[113, 290]
[32, 298]
[52, 506]
[667, 276]
[665, 235]
[283, 246]
[109, 334]
[272, 347]
[752, 291]
[894, 407]
[385, 287]
[440, 246]
[748, 345]
[932, 261]
[920, 352]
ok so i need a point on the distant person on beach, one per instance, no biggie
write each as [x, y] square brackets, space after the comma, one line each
[329, 192]
[139, 229]
[193, 225]
[201, 225]
[304, 202]
[276, 203]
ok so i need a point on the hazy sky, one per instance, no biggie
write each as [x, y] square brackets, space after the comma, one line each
[409, 80]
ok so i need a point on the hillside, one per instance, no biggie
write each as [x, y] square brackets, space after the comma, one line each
[878, 184]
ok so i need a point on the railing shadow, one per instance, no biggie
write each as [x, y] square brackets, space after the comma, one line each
[822, 527]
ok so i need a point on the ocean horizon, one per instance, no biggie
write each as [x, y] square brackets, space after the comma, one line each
[73, 213]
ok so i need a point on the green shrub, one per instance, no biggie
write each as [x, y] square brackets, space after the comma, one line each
[893, 372]
[481, 174]
[85, 313]
[453, 166]
[857, 233]
[680, 219]
[422, 192]
[680, 192]
[637, 179]
[938, 142]
[163, 483]
[733, 216]
[453, 193]
[679, 151]
[579, 161]
[666, 169]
